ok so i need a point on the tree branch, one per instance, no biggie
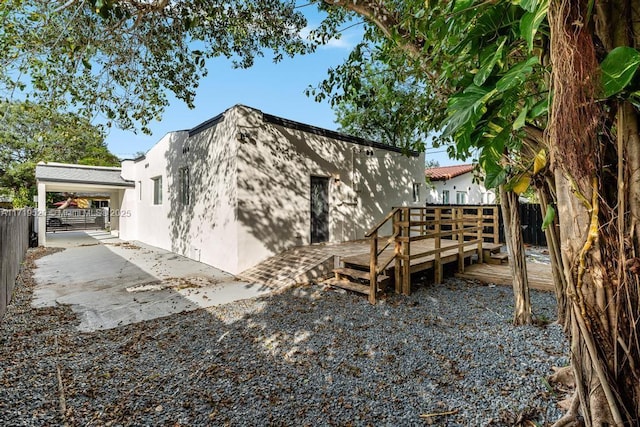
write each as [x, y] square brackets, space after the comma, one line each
[385, 20]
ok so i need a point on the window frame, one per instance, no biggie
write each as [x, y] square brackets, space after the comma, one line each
[185, 185]
[445, 197]
[157, 190]
[416, 192]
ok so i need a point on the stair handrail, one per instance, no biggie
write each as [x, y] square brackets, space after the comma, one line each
[372, 235]
[379, 225]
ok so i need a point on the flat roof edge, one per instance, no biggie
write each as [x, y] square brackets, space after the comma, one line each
[124, 184]
[75, 166]
[206, 125]
[292, 124]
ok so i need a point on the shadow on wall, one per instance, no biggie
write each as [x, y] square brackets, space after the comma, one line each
[249, 188]
[275, 166]
[207, 204]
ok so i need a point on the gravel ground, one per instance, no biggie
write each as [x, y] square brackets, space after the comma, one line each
[307, 356]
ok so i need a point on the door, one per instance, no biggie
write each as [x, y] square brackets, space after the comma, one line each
[319, 209]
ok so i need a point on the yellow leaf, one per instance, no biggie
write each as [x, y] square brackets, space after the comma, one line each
[540, 161]
[521, 184]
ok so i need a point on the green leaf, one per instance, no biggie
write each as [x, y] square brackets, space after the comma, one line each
[529, 5]
[491, 159]
[520, 120]
[462, 5]
[466, 108]
[517, 75]
[618, 69]
[531, 21]
[539, 109]
[548, 217]
[486, 66]
[495, 176]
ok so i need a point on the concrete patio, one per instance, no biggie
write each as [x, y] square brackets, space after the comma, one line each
[109, 282]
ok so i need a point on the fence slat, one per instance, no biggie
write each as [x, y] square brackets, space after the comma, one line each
[14, 241]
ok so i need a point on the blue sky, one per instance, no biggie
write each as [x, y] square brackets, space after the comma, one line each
[273, 88]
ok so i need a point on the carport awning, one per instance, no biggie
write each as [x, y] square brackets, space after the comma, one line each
[68, 177]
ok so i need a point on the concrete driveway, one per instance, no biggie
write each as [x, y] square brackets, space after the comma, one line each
[109, 282]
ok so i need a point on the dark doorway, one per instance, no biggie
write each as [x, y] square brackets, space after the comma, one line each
[319, 209]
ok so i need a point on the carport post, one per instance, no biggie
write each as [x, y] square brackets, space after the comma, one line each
[42, 214]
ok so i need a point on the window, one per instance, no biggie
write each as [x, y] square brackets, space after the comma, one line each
[461, 198]
[445, 197]
[416, 192]
[139, 190]
[184, 186]
[157, 190]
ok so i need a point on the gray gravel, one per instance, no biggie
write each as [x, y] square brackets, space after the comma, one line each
[308, 356]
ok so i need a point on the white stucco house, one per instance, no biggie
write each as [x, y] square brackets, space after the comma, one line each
[455, 185]
[245, 185]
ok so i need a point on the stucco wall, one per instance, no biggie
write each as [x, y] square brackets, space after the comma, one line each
[250, 190]
[475, 194]
[275, 166]
[205, 228]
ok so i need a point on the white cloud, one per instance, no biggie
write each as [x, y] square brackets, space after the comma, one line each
[346, 41]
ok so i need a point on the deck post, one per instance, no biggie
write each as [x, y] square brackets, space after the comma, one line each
[496, 225]
[480, 233]
[406, 261]
[437, 265]
[373, 269]
[397, 252]
[460, 225]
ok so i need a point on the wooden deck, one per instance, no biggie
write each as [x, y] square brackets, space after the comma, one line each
[361, 261]
[422, 238]
[539, 275]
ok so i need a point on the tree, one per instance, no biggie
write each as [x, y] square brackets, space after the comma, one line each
[440, 92]
[586, 161]
[379, 101]
[32, 133]
[120, 58]
[431, 163]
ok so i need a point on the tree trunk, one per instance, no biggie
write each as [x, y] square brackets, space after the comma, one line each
[546, 196]
[596, 165]
[517, 262]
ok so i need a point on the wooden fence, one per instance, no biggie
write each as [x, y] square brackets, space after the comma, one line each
[423, 236]
[14, 241]
[531, 218]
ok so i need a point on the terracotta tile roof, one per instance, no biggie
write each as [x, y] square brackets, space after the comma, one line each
[447, 172]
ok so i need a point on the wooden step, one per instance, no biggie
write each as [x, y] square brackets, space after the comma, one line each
[492, 248]
[499, 258]
[348, 285]
[344, 273]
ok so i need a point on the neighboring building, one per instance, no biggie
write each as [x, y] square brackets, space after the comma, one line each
[246, 185]
[454, 185]
[6, 202]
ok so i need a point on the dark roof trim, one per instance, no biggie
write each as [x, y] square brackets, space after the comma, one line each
[105, 184]
[206, 125]
[139, 158]
[333, 134]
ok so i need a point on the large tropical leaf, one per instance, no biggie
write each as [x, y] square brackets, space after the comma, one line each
[531, 21]
[486, 66]
[618, 69]
[517, 75]
[466, 108]
[529, 5]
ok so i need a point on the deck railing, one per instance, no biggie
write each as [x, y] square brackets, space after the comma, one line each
[467, 225]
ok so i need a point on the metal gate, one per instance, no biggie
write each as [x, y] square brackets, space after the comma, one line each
[77, 219]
